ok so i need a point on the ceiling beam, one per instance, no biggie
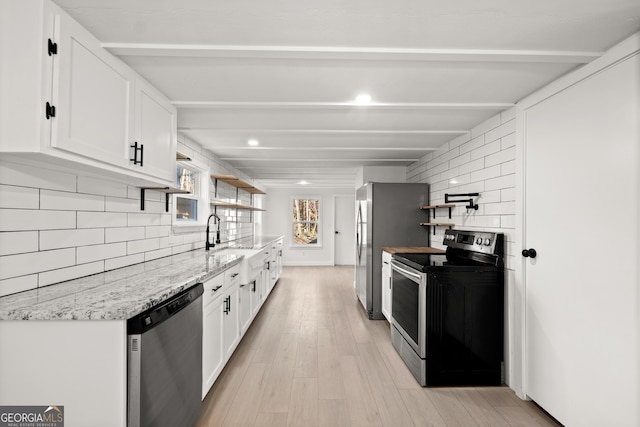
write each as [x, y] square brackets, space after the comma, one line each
[344, 105]
[329, 131]
[350, 53]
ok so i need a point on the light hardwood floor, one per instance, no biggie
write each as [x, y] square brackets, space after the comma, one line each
[312, 358]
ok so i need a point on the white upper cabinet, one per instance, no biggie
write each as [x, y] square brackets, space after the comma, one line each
[93, 97]
[88, 107]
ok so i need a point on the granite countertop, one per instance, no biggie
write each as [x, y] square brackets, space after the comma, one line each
[118, 294]
[412, 250]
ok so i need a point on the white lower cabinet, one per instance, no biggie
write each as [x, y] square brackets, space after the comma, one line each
[386, 285]
[231, 310]
[245, 307]
[212, 316]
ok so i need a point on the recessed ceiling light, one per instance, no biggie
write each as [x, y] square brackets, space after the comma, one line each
[363, 98]
[253, 142]
[303, 182]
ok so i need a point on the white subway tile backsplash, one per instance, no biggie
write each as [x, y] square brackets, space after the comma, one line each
[101, 252]
[101, 219]
[123, 234]
[501, 131]
[18, 242]
[508, 194]
[113, 263]
[502, 208]
[489, 197]
[23, 220]
[472, 166]
[473, 144]
[119, 204]
[102, 187]
[64, 201]
[501, 156]
[508, 168]
[35, 262]
[138, 246]
[13, 197]
[485, 150]
[486, 126]
[144, 219]
[486, 173]
[458, 141]
[160, 253]
[505, 181]
[508, 141]
[461, 159]
[35, 177]
[60, 275]
[508, 221]
[57, 239]
[18, 284]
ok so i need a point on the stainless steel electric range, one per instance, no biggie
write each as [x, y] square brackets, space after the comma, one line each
[447, 310]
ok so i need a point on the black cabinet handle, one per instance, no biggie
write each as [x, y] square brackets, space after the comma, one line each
[253, 286]
[135, 153]
[216, 288]
[529, 253]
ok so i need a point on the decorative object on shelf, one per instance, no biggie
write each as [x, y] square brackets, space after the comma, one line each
[470, 205]
[166, 190]
[182, 157]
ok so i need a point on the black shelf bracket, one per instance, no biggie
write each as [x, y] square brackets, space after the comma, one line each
[470, 204]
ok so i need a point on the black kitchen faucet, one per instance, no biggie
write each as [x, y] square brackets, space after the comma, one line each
[207, 244]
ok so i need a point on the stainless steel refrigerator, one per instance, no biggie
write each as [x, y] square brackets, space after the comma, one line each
[388, 214]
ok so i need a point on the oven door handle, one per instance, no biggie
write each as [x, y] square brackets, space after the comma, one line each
[397, 266]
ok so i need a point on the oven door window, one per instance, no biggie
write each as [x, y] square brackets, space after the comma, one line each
[405, 305]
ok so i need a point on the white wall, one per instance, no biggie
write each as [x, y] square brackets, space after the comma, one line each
[278, 217]
[381, 174]
[59, 225]
[482, 161]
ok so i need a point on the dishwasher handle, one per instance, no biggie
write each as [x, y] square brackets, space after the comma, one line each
[157, 314]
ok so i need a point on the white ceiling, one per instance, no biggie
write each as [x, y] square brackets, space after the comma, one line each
[286, 72]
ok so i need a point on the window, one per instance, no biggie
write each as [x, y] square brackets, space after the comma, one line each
[306, 222]
[190, 209]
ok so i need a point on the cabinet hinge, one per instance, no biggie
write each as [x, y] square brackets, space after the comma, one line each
[52, 48]
[49, 111]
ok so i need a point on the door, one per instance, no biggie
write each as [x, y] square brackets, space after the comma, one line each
[582, 196]
[345, 225]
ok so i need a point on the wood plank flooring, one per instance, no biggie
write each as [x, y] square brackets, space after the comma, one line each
[312, 358]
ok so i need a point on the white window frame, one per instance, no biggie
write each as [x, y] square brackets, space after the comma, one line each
[292, 243]
[201, 195]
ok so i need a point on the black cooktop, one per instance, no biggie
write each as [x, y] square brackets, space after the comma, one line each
[421, 261]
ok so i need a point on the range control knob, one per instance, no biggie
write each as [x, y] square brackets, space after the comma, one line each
[479, 241]
[487, 241]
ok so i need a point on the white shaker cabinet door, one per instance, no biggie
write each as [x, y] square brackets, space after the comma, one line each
[92, 95]
[155, 131]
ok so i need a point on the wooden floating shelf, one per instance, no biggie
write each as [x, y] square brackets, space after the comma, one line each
[434, 207]
[437, 224]
[235, 206]
[166, 190]
[238, 183]
[448, 205]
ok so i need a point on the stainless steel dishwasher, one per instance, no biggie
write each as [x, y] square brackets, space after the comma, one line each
[164, 365]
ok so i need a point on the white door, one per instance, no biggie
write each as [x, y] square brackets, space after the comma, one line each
[582, 186]
[345, 226]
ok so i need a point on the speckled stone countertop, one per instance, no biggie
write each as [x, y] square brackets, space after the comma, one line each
[118, 294]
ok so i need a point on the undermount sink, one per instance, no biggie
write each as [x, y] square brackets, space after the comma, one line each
[251, 264]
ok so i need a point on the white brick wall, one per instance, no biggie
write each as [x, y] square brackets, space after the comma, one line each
[481, 161]
[57, 226]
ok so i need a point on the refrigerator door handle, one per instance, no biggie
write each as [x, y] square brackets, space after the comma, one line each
[359, 233]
